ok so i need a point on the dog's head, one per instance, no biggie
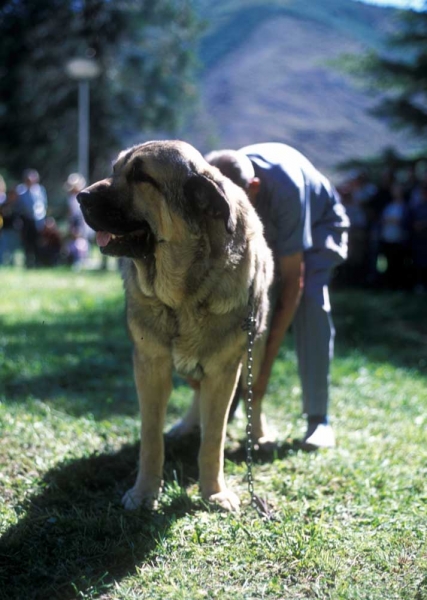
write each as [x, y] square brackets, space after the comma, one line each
[157, 192]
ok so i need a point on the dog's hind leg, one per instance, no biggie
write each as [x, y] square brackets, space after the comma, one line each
[216, 393]
[262, 436]
[190, 423]
[153, 378]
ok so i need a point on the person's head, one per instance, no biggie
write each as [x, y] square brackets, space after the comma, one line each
[30, 177]
[75, 183]
[236, 166]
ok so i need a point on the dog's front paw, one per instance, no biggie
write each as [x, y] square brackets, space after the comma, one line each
[135, 497]
[226, 500]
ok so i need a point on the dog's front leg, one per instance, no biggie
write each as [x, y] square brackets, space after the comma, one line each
[217, 390]
[153, 379]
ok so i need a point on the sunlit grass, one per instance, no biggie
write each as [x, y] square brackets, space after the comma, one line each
[349, 523]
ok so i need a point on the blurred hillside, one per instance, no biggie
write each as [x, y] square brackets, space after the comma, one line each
[267, 76]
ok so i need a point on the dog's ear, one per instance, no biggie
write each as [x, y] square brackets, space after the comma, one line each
[208, 197]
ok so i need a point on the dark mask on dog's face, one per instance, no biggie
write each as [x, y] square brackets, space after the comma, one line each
[108, 212]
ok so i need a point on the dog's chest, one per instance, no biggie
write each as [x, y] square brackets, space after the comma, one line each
[195, 334]
[191, 345]
[201, 337]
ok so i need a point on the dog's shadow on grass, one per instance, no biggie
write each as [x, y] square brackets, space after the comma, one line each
[76, 538]
[267, 454]
[185, 450]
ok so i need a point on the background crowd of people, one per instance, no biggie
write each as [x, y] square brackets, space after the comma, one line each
[388, 232]
[26, 224]
[387, 238]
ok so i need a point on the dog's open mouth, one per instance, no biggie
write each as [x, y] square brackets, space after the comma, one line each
[117, 232]
[134, 244]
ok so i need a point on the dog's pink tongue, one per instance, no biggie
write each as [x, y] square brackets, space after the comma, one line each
[103, 238]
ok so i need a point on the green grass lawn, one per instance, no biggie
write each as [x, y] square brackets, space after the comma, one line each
[349, 523]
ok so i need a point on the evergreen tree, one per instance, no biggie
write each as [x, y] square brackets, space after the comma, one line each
[400, 74]
[145, 53]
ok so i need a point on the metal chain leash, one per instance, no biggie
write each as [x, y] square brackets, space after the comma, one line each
[249, 326]
[260, 505]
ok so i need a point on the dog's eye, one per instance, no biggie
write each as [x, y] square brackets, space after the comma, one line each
[137, 175]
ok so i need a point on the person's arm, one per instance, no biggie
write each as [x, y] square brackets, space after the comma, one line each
[292, 281]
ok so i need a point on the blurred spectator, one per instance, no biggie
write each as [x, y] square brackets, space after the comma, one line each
[50, 244]
[2, 190]
[382, 195]
[77, 243]
[374, 209]
[417, 190]
[31, 206]
[409, 180]
[10, 227]
[394, 238]
[356, 195]
[418, 232]
[363, 189]
[352, 271]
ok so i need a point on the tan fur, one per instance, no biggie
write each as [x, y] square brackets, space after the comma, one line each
[187, 297]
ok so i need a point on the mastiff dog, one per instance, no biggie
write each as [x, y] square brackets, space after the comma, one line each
[194, 265]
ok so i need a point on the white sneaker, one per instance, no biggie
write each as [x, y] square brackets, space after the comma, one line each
[321, 437]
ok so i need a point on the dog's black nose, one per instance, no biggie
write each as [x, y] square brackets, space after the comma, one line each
[83, 197]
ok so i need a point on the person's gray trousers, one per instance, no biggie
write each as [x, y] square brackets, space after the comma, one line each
[313, 330]
[314, 335]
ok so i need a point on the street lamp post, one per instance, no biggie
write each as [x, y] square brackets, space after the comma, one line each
[83, 70]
